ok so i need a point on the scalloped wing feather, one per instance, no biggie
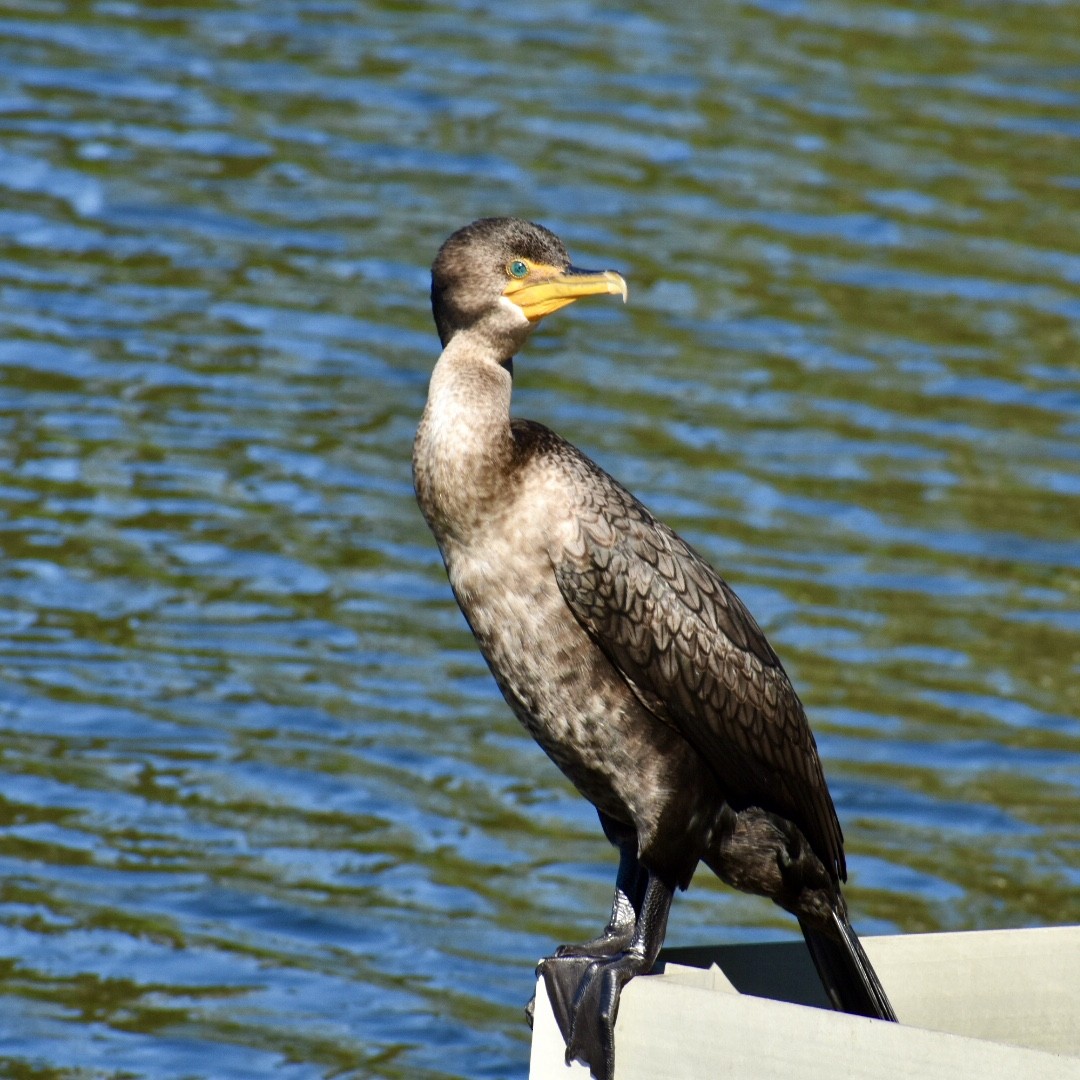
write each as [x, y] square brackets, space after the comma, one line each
[694, 655]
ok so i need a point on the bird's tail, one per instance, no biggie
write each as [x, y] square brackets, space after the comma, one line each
[845, 969]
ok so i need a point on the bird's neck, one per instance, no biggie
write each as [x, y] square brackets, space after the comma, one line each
[463, 452]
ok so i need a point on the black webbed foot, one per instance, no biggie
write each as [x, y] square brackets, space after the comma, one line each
[591, 1039]
[564, 970]
[584, 990]
[562, 977]
[584, 982]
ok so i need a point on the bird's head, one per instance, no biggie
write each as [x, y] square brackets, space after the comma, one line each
[500, 276]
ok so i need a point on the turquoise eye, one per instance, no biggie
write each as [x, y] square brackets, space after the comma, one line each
[517, 269]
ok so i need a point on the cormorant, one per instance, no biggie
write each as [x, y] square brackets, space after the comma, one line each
[630, 661]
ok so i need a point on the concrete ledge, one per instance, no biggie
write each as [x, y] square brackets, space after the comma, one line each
[998, 1005]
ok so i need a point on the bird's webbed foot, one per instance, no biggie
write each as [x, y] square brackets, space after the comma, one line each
[584, 991]
[591, 1035]
[562, 976]
[565, 969]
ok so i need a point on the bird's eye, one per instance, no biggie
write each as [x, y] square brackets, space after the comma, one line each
[517, 269]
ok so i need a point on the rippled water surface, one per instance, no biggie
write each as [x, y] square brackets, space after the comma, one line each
[262, 810]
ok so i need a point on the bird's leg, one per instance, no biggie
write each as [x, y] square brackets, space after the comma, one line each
[563, 971]
[596, 1005]
[630, 883]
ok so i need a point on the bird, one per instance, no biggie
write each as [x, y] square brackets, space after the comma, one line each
[625, 655]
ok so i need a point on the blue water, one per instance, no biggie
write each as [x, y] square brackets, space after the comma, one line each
[262, 810]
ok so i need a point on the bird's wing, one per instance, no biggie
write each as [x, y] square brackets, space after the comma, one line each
[694, 656]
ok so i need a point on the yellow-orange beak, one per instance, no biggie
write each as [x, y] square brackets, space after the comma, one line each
[545, 289]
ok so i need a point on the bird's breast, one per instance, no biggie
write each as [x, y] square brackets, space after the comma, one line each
[554, 677]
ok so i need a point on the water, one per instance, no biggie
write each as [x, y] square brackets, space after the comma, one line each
[262, 811]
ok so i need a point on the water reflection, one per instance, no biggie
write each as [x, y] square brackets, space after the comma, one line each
[262, 810]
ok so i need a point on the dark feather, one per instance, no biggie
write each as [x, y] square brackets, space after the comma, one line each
[690, 650]
[845, 969]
